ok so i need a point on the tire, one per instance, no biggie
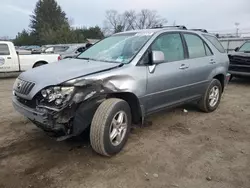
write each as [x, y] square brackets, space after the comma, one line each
[38, 64]
[102, 127]
[204, 103]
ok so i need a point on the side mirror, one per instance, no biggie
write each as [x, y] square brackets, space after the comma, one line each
[236, 49]
[158, 57]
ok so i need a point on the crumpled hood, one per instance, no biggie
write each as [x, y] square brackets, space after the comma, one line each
[59, 72]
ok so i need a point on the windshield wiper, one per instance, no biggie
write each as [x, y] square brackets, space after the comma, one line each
[87, 58]
[108, 61]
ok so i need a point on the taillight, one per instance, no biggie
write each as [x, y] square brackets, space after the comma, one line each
[59, 58]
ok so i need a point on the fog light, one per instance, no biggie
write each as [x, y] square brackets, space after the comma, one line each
[58, 101]
[44, 93]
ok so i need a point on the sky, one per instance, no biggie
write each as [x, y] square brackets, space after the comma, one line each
[213, 15]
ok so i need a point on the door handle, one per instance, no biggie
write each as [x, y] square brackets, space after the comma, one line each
[184, 66]
[212, 61]
[8, 57]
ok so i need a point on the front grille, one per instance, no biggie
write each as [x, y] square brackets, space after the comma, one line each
[23, 87]
[240, 60]
[239, 68]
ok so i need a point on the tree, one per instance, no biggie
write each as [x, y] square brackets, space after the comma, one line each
[130, 20]
[114, 22]
[91, 32]
[24, 38]
[4, 38]
[47, 18]
[148, 19]
[50, 25]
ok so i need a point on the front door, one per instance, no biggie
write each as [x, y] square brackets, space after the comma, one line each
[167, 80]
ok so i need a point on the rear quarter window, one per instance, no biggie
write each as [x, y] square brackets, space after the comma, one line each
[215, 42]
[4, 49]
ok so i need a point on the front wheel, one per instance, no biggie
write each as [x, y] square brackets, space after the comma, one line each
[110, 127]
[211, 99]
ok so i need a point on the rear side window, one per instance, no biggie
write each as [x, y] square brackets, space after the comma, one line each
[195, 46]
[215, 42]
[208, 51]
[4, 49]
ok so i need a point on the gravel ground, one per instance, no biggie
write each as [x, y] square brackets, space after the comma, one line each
[189, 150]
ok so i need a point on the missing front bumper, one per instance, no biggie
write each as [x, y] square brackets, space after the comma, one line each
[40, 119]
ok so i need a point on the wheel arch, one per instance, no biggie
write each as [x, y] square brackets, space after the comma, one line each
[38, 62]
[133, 102]
[86, 110]
[221, 78]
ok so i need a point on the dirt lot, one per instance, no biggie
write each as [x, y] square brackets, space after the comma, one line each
[191, 150]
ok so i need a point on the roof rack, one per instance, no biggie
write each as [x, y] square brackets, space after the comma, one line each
[202, 30]
[177, 27]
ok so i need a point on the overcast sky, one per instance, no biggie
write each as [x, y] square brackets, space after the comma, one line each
[214, 15]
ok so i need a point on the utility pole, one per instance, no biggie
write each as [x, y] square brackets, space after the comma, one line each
[237, 28]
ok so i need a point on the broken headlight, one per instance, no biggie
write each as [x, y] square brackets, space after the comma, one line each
[57, 94]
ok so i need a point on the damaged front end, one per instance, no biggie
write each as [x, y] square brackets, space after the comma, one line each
[68, 109]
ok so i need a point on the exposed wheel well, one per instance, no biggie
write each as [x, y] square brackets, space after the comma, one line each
[221, 78]
[39, 63]
[133, 102]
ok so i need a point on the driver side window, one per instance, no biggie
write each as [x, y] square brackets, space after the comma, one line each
[171, 45]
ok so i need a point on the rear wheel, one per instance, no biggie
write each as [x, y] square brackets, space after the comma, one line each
[110, 127]
[211, 99]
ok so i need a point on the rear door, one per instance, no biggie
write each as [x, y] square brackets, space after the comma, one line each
[201, 62]
[6, 62]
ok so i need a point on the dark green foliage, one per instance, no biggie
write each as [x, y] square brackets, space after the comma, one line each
[50, 25]
[24, 38]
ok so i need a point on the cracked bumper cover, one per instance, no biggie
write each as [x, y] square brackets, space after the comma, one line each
[81, 116]
[41, 119]
[29, 112]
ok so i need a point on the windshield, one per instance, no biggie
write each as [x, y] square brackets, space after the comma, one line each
[245, 47]
[118, 48]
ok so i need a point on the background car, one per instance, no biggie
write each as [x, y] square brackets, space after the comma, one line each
[73, 51]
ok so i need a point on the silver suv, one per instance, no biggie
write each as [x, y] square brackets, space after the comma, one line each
[122, 79]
